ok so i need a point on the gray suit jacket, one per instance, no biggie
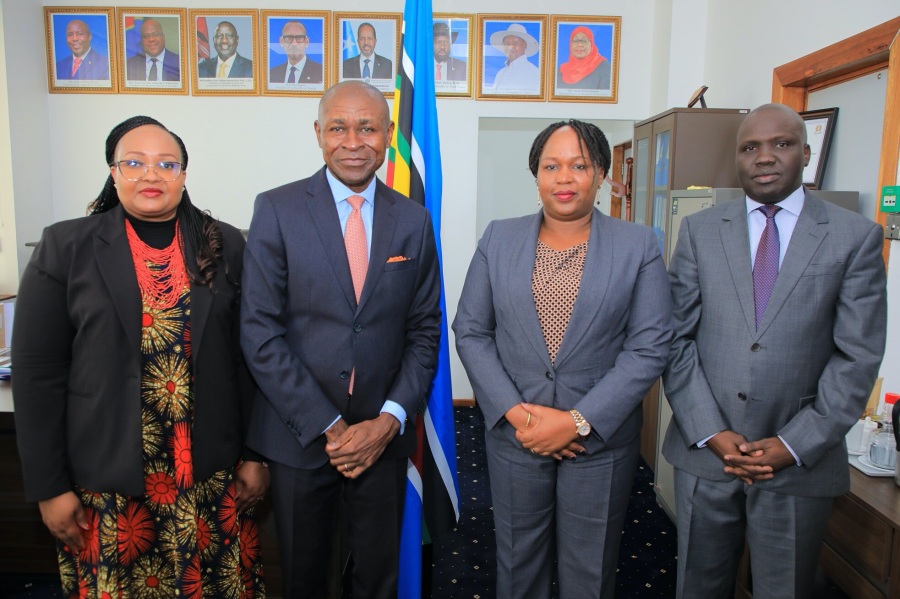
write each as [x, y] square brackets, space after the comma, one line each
[305, 332]
[615, 345]
[806, 373]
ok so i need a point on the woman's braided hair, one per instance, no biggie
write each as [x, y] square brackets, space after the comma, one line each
[589, 134]
[201, 229]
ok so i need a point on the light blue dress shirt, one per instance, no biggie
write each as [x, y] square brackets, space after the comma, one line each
[341, 192]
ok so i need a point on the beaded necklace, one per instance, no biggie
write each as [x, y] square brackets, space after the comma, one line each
[162, 283]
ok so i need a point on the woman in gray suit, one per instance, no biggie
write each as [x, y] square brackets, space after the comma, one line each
[563, 325]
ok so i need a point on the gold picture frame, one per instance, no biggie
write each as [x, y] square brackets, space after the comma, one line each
[313, 78]
[387, 28]
[593, 77]
[241, 78]
[520, 72]
[456, 80]
[93, 69]
[148, 38]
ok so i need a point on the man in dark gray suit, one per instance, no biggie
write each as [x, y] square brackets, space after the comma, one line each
[780, 315]
[446, 68]
[299, 68]
[227, 62]
[367, 65]
[344, 356]
[154, 62]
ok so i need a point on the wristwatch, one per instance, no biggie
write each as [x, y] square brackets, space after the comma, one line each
[582, 426]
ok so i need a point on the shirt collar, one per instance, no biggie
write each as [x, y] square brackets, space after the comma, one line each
[793, 203]
[341, 192]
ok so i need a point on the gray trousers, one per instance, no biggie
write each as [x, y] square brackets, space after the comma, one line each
[784, 533]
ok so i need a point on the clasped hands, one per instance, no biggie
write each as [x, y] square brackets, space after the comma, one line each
[545, 431]
[750, 460]
[353, 448]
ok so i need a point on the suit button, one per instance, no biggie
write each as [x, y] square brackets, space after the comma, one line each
[742, 396]
[345, 374]
[357, 328]
[549, 375]
[755, 347]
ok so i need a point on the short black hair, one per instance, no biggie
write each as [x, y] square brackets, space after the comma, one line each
[589, 134]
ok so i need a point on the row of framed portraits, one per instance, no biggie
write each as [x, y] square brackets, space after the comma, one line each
[568, 58]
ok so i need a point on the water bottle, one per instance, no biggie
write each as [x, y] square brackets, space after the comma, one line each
[883, 450]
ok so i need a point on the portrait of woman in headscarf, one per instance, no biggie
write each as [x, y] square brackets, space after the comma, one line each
[586, 68]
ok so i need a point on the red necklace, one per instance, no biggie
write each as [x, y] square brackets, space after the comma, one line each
[161, 274]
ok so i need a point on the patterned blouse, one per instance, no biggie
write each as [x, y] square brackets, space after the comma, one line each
[554, 284]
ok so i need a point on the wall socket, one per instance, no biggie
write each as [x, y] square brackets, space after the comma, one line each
[892, 226]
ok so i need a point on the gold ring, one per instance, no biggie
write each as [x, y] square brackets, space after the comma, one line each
[346, 467]
[532, 450]
[527, 422]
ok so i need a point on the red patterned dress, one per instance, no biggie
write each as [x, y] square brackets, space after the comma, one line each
[182, 538]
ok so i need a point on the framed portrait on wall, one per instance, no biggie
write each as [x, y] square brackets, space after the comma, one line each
[512, 53]
[151, 50]
[294, 52]
[584, 53]
[453, 66]
[81, 44]
[820, 126]
[367, 47]
[224, 58]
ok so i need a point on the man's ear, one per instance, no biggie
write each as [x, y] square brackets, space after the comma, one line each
[806, 155]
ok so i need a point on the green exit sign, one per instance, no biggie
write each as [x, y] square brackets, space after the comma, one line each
[889, 195]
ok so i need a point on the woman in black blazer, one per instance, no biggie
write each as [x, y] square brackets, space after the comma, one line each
[131, 395]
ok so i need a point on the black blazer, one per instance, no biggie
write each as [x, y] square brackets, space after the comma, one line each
[311, 73]
[77, 389]
[382, 68]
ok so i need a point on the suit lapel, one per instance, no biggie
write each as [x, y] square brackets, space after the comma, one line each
[736, 246]
[595, 280]
[383, 226]
[116, 266]
[811, 228]
[522, 251]
[328, 225]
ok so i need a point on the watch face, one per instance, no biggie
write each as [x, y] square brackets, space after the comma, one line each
[584, 430]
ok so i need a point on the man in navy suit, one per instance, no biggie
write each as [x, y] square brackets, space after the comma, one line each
[140, 67]
[344, 355]
[378, 66]
[299, 67]
[84, 63]
[227, 63]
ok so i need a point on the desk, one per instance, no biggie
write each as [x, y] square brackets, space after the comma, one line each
[861, 553]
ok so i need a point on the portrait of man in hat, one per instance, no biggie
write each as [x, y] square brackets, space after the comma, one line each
[520, 73]
[446, 68]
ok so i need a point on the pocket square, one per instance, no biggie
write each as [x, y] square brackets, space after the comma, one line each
[397, 259]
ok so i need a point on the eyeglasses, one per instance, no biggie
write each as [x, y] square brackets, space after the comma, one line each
[135, 170]
[293, 38]
[223, 36]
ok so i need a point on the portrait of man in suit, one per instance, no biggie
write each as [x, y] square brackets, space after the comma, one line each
[299, 67]
[85, 62]
[154, 62]
[341, 331]
[367, 64]
[780, 315]
[446, 68]
[227, 64]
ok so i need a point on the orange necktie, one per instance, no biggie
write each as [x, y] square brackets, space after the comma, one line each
[75, 64]
[357, 253]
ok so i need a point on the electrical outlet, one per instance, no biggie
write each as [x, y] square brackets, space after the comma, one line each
[892, 227]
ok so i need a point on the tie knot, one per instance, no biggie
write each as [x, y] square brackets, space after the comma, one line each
[356, 201]
[769, 210]
[154, 60]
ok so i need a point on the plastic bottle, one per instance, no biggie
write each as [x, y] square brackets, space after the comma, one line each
[883, 450]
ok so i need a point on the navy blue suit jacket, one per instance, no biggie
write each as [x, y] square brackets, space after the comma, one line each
[136, 68]
[242, 67]
[94, 66]
[311, 73]
[303, 331]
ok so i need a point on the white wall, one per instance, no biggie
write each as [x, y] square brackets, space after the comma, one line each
[240, 146]
[9, 273]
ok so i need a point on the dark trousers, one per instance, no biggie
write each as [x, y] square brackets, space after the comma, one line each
[306, 504]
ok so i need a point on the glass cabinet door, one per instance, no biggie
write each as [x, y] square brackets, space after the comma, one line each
[661, 170]
[640, 191]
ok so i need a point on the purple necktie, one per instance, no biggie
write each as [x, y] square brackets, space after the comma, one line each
[293, 77]
[765, 266]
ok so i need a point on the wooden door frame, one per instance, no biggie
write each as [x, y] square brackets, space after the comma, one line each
[872, 50]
